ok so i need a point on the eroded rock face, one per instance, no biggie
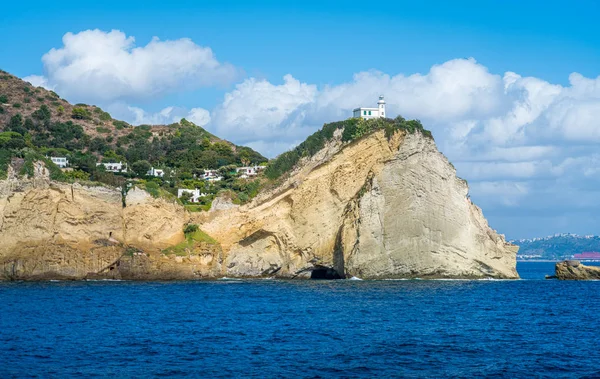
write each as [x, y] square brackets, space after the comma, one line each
[574, 270]
[55, 230]
[377, 207]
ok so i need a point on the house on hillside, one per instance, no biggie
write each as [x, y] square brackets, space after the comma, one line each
[211, 176]
[246, 172]
[61, 162]
[156, 172]
[369, 113]
[195, 194]
[114, 167]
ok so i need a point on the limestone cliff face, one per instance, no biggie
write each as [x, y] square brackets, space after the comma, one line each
[375, 208]
[52, 230]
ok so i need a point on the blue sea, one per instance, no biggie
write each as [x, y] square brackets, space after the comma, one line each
[529, 328]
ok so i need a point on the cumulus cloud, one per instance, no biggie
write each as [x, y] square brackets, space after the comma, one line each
[95, 65]
[258, 110]
[522, 143]
[168, 115]
[38, 81]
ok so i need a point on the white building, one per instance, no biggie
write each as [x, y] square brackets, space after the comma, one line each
[196, 194]
[156, 172]
[246, 172]
[368, 113]
[212, 176]
[114, 167]
[61, 162]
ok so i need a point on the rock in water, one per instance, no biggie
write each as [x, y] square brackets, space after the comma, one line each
[574, 270]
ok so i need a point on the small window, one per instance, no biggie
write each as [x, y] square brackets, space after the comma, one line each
[369, 113]
[365, 113]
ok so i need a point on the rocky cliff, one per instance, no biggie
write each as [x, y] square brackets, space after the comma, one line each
[574, 270]
[376, 207]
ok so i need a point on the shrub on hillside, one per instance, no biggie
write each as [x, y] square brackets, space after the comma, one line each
[80, 113]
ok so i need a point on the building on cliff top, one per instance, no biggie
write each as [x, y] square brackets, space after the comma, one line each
[195, 194]
[61, 162]
[114, 167]
[368, 113]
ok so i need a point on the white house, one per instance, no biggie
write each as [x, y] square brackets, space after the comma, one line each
[156, 172]
[61, 162]
[246, 172]
[212, 176]
[368, 113]
[114, 167]
[196, 195]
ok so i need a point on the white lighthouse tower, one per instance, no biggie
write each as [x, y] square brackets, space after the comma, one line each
[381, 105]
[369, 113]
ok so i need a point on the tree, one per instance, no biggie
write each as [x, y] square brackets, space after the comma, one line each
[245, 157]
[141, 168]
[43, 113]
[15, 121]
[185, 197]
[80, 113]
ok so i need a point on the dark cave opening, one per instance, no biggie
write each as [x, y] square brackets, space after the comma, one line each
[324, 273]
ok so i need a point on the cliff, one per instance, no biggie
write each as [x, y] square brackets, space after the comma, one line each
[574, 270]
[376, 207]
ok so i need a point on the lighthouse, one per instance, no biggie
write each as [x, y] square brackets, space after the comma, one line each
[369, 113]
[381, 105]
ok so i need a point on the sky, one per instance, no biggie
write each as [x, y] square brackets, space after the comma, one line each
[510, 89]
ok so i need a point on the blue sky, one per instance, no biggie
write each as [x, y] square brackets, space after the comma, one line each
[491, 79]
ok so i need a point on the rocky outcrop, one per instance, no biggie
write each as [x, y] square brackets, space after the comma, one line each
[574, 270]
[377, 207]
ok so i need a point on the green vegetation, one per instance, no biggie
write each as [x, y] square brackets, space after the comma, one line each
[193, 237]
[80, 113]
[43, 113]
[5, 157]
[17, 105]
[76, 175]
[120, 124]
[352, 129]
[103, 130]
[190, 228]
[3, 99]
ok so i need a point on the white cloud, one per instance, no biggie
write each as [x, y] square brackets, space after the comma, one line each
[258, 110]
[521, 142]
[38, 81]
[199, 116]
[168, 115]
[94, 65]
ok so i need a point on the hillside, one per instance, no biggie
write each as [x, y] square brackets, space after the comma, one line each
[35, 122]
[53, 123]
[560, 246]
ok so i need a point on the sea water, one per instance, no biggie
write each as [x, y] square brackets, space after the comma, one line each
[310, 329]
